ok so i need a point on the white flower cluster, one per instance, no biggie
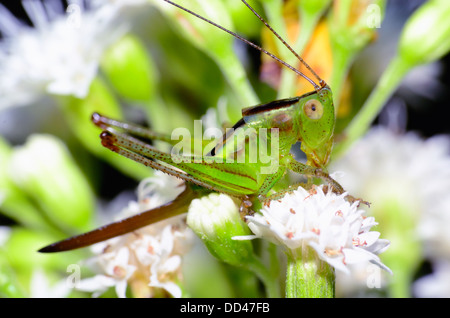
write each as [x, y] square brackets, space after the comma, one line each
[326, 222]
[406, 168]
[410, 168]
[148, 259]
[61, 53]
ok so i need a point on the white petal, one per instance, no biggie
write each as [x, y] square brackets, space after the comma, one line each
[379, 246]
[359, 255]
[244, 237]
[96, 283]
[171, 287]
[171, 264]
[367, 239]
[121, 288]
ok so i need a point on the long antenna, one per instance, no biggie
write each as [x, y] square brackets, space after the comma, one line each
[316, 87]
[321, 81]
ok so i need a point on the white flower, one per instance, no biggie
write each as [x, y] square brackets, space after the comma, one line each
[5, 232]
[408, 169]
[326, 222]
[60, 55]
[40, 287]
[212, 213]
[436, 284]
[157, 252]
[150, 258]
[158, 190]
[122, 5]
[216, 221]
[117, 271]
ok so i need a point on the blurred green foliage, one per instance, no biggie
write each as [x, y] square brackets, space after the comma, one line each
[169, 70]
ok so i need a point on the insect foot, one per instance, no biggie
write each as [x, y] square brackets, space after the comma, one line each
[245, 207]
[333, 184]
[98, 120]
[109, 140]
[338, 189]
[351, 199]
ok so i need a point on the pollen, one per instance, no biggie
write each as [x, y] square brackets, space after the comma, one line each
[119, 271]
[357, 242]
[311, 192]
[332, 252]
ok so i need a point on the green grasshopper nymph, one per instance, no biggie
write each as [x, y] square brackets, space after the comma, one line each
[309, 118]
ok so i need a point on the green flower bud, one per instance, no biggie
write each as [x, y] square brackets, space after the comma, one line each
[13, 201]
[353, 24]
[129, 69]
[215, 219]
[44, 169]
[426, 36]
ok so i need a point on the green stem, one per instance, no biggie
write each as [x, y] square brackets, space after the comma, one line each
[274, 262]
[398, 219]
[309, 277]
[389, 81]
[342, 59]
[289, 78]
[268, 278]
[9, 284]
[237, 79]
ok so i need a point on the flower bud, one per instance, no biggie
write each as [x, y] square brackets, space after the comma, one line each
[353, 24]
[44, 169]
[129, 69]
[215, 219]
[426, 36]
[14, 202]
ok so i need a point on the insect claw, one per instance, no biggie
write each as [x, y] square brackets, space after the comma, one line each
[244, 209]
[351, 199]
[108, 140]
[95, 117]
[98, 120]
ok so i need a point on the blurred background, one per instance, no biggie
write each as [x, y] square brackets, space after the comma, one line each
[175, 71]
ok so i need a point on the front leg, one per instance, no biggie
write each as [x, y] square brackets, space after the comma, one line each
[312, 172]
[309, 171]
[253, 203]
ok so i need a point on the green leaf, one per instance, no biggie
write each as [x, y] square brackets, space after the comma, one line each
[45, 170]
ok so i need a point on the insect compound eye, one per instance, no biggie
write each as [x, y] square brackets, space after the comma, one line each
[313, 109]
